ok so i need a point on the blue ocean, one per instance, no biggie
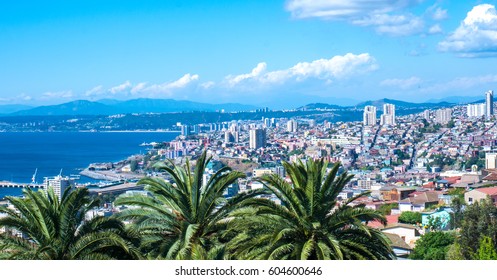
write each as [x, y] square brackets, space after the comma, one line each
[21, 153]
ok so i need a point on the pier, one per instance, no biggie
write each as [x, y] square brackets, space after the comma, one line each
[6, 184]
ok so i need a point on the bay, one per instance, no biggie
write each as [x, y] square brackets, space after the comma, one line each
[21, 153]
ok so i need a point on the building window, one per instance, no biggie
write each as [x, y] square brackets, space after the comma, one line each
[470, 199]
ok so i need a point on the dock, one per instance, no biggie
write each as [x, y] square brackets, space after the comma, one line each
[6, 184]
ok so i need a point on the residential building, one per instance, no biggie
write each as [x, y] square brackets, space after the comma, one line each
[491, 160]
[59, 184]
[257, 138]
[388, 116]
[480, 194]
[292, 126]
[489, 103]
[369, 116]
[443, 116]
[475, 110]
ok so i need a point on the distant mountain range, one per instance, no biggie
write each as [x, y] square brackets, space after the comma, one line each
[379, 104]
[142, 105]
[145, 105]
[402, 104]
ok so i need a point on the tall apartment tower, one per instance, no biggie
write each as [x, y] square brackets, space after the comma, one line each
[489, 103]
[369, 116]
[388, 116]
[443, 116]
[291, 126]
[476, 110]
[59, 184]
[257, 138]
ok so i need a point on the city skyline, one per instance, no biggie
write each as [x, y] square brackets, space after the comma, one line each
[283, 53]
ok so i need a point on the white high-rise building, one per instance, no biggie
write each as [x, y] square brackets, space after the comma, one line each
[443, 116]
[489, 103]
[292, 126]
[369, 116]
[257, 138]
[476, 110]
[388, 116]
[59, 184]
[426, 115]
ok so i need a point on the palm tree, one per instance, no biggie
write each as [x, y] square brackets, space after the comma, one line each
[182, 220]
[310, 222]
[42, 226]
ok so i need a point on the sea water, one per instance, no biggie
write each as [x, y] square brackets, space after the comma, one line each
[21, 153]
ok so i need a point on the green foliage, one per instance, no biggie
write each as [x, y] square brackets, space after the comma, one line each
[133, 165]
[309, 223]
[454, 252]
[479, 220]
[434, 223]
[57, 229]
[183, 219]
[487, 249]
[408, 217]
[386, 209]
[432, 246]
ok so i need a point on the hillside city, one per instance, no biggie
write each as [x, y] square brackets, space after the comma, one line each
[410, 166]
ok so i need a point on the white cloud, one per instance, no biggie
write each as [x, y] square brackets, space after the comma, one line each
[168, 87]
[98, 90]
[344, 9]
[207, 85]
[120, 88]
[461, 83]
[476, 35]
[402, 83]
[396, 25]
[439, 14]
[256, 72]
[435, 29]
[324, 69]
[138, 88]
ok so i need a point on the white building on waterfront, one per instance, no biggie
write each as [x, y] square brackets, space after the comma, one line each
[59, 184]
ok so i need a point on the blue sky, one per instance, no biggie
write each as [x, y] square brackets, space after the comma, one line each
[276, 53]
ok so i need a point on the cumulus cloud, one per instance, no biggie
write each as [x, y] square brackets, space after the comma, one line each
[120, 88]
[98, 90]
[402, 83]
[396, 25]
[324, 69]
[476, 36]
[207, 85]
[169, 86]
[435, 29]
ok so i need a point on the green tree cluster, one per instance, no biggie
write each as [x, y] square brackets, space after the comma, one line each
[478, 232]
[408, 217]
[433, 245]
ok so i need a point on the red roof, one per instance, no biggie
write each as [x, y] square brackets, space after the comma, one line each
[489, 191]
[453, 180]
[391, 219]
[429, 185]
